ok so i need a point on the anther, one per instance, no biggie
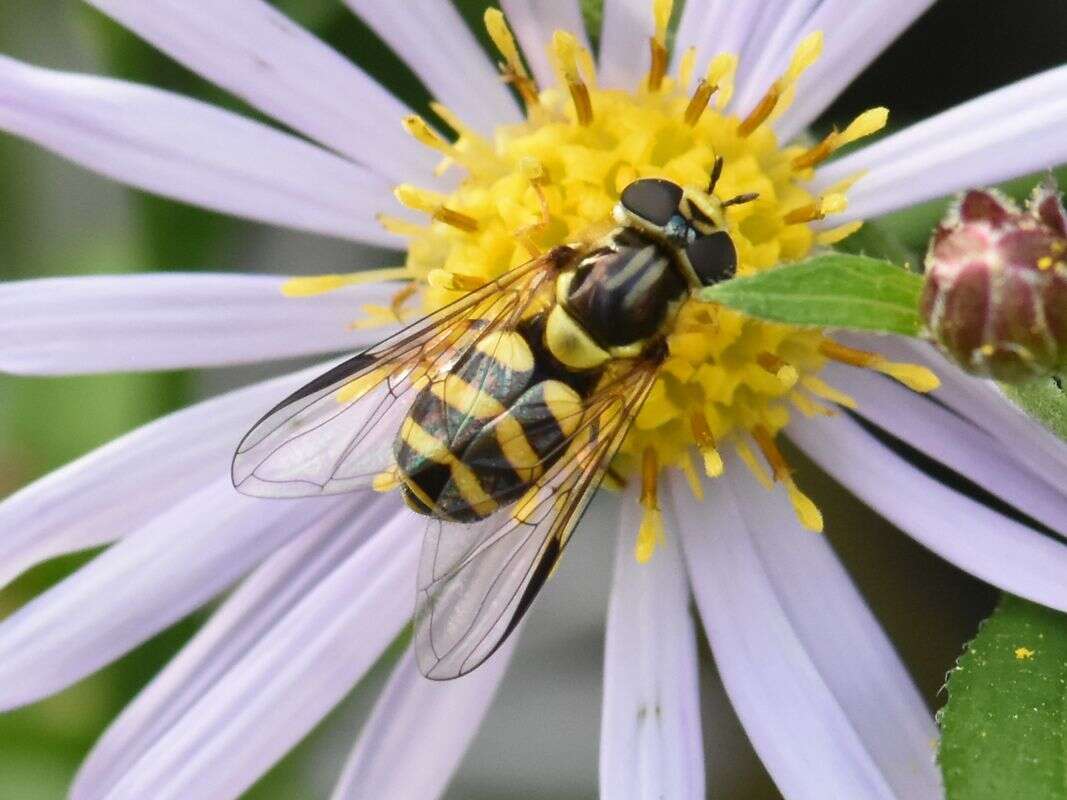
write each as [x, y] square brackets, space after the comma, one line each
[433, 204]
[536, 174]
[453, 281]
[718, 79]
[807, 512]
[661, 12]
[779, 93]
[705, 442]
[870, 121]
[513, 69]
[650, 533]
[565, 50]
[421, 132]
[699, 102]
[915, 377]
[401, 297]
[759, 114]
[828, 204]
[786, 373]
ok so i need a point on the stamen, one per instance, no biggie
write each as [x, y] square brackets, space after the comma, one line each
[821, 388]
[783, 371]
[759, 114]
[828, 204]
[454, 281]
[705, 442]
[513, 69]
[311, 285]
[433, 204]
[915, 377]
[870, 121]
[661, 11]
[691, 476]
[401, 227]
[806, 510]
[686, 64]
[719, 78]
[779, 93]
[421, 132]
[536, 174]
[564, 49]
[401, 297]
[809, 407]
[650, 533]
[754, 466]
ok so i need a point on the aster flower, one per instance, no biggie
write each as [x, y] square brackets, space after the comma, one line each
[323, 585]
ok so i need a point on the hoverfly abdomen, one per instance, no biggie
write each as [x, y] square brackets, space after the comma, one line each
[478, 436]
[514, 450]
[448, 414]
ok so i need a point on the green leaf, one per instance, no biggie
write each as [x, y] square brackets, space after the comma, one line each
[835, 290]
[1045, 400]
[1002, 732]
[877, 240]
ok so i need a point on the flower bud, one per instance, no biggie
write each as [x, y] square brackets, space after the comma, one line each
[995, 296]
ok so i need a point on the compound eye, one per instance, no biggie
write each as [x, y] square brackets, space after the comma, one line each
[652, 199]
[713, 258]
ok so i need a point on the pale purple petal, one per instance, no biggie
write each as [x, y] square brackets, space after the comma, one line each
[257, 605]
[974, 537]
[191, 151]
[132, 323]
[953, 441]
[155, 576]
[533, 23]
[437, 45]
[624, 54]
[810, 738]
[690, 25]
[419, 731]
[1021, 438]
[843, 639]
[725, 28]
[1000, 135]
[855, 34]
[650, 736]
[286, 682]
[767, 56]
[119, 488]
[257, 53]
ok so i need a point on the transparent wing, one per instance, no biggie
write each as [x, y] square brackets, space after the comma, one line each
[477, 580]
[336, 434]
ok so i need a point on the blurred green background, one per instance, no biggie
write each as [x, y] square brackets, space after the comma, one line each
[540, 738]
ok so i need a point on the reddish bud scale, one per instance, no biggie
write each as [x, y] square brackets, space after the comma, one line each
[995, 296]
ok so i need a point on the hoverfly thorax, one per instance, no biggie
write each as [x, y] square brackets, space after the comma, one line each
[624, 293]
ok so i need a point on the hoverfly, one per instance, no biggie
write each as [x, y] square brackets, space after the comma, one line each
[498, 415]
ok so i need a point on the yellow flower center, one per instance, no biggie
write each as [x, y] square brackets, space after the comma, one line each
[555, 177]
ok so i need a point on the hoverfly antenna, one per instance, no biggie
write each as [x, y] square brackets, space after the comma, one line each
[740, 199]
[716, 173]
